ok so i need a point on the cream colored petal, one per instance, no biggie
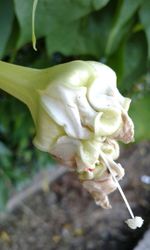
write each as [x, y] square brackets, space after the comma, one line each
[107, 122]
[99, 95]
[126, 131]
[118, 169]
[123, 101]
[85, 175]
[100, 189]
[104, 87]
[101, 199]
[61, 106]
[47, 131]
[99, 170]
[76, 74]
[87, 113]
[110, 147]
[65, 150]
[88, 154]
[105, 74]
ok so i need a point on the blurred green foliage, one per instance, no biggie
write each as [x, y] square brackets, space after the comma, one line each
[19, 160]
[115, 32]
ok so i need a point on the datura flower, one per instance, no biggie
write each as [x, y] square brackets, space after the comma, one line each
[79, 116]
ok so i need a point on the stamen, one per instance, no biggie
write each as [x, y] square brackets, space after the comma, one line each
[134, 222]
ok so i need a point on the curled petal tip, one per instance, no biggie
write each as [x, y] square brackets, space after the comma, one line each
[103, 201]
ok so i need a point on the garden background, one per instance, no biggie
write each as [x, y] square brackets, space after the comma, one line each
[114, 32]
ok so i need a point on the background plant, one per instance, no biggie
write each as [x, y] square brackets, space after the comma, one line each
[115, 32]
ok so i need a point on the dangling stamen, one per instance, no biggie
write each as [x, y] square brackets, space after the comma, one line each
[135, 221]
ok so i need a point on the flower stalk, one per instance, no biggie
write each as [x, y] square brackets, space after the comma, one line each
[20, 82]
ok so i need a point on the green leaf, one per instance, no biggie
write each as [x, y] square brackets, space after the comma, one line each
[116, 62]
[135, 60]
[4, 150]
[144, 14]
[139, 112]
[130, 61]
[86, 36]
[98, 4]
[3, 193]
[10, 48]
[50, 14]
[121, 24]
[62, 40]
[6, 22]
[23, 11]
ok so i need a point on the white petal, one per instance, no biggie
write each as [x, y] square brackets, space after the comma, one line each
[87, 113]
[47, 131]
[104, 87]
[126, 131]
[99, 94]
[107, 122]
[65, 150]
[88, 154]
[111, 148]
[99, 189]
[60, 105]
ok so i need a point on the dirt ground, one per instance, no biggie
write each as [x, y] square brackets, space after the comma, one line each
[64, 217]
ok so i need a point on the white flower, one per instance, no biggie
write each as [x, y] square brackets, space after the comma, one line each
[82, 113]
[82, 102]
[79, 116]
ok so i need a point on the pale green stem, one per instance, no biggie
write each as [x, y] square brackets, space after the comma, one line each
[20, 82]
[33, 24]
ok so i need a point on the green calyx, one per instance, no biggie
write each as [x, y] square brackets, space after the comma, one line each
[20, 82]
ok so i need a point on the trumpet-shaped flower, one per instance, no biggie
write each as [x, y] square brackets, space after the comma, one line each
[79, 116]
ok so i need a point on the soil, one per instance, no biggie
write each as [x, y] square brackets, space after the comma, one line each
[63, 216]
